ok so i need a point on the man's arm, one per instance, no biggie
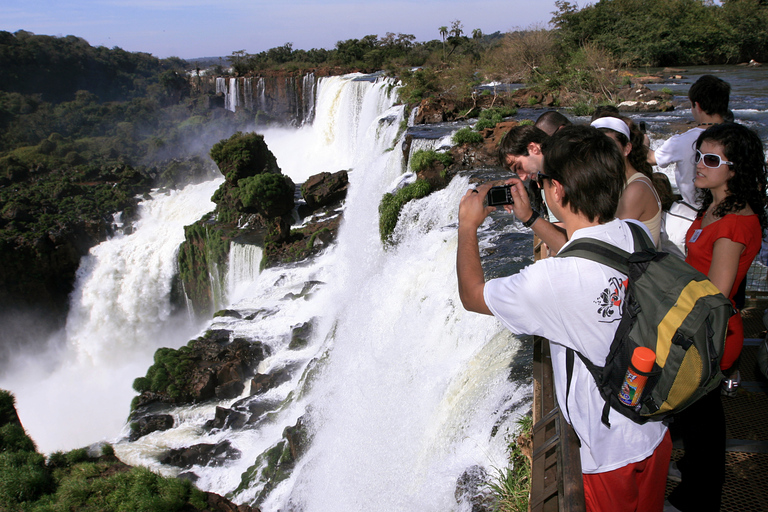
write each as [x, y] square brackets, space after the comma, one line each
[469, 270]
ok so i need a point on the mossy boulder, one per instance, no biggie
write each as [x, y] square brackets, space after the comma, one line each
[207, 367]
[243, 155]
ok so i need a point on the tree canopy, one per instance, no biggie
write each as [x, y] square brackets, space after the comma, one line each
[668, 32]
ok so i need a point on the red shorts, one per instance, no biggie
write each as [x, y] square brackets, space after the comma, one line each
[637, 487]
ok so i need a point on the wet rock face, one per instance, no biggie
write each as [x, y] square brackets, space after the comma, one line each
[324, 189]
[472, 487]
[151, 423]
[201, 455]
[214, 368]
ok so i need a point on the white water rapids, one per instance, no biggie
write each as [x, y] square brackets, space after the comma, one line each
[408, 390]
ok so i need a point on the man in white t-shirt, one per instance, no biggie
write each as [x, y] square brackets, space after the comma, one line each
[575, 303]
[709, 97]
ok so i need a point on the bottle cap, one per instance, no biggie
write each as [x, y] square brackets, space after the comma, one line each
[643, 359]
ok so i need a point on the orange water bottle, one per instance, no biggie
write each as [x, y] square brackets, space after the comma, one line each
[642, 361]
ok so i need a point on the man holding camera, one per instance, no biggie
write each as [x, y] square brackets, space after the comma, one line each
[575, 303]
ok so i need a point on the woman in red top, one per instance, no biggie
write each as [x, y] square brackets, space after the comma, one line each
[721, 243]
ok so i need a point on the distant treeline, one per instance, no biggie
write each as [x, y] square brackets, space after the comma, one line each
[668, 32]
[57, 67]
[634, 32]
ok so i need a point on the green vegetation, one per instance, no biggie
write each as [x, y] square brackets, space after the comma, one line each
[169, 373]
[266, 194]
[672, 32]
[243, 155]
[467, 135]
[490, 117]
[77, 481]
[511, 485]
[204, 250]
[421, 159]
[391, 204]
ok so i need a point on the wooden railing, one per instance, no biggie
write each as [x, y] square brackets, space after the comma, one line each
[556, 484]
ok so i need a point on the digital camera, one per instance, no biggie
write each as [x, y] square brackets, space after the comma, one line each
[498, 196]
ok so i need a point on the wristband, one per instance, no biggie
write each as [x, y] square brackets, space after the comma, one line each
[531, 219]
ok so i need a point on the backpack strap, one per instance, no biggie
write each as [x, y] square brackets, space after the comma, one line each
[607, 254]
[569, 376]
[594, 370]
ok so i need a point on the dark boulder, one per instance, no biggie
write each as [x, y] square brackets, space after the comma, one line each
[148, 424]
[261, 383]
[324, 189]
[203, 454]
[472, 488]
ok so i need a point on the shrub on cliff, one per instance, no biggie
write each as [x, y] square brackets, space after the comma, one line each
[391, 204]
[490, 117]
[243, 155]
[421, 159]
[268, 194]
[169, 373]
[467, 135]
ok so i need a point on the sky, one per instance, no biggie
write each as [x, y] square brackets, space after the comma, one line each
[214, 28]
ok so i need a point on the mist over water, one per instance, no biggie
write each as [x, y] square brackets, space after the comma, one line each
[79, 390]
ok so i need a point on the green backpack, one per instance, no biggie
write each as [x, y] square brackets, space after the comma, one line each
[669, 307]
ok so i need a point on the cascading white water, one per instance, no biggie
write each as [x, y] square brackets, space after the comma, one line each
[120, 313]
[261, 96]
[243, 270]
[308, 97]
[410, 389]
[233, 95]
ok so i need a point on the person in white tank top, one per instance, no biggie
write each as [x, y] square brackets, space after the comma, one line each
[640, 201]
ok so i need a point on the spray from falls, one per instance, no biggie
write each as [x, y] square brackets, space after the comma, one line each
[120, 313]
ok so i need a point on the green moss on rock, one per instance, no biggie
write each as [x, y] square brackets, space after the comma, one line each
[391, 204]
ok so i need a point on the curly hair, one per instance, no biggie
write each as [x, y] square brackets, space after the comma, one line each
[748, 184]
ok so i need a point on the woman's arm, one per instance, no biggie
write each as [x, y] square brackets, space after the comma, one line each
[636, 200]
[725, 264]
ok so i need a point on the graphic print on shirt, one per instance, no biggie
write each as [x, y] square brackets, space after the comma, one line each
[609, 301]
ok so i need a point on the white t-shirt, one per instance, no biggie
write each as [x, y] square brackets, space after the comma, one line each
[576, 303]
[680, 149]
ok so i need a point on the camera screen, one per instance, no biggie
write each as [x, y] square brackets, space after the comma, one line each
[498, 195]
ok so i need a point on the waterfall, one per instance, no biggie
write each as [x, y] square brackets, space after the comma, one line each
[248, 93]
[120, 313]
[261, 95]
[242, 269]
[232, 100]
[308, 97]
[403, 390]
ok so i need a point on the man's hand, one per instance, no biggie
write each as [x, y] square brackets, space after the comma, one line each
[472, 211]
[522, 206]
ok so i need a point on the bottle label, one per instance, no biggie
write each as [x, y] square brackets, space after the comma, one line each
[632, 388]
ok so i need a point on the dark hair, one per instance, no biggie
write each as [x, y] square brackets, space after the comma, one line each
[516, 141]
[551, 121]
[590, 167]
[712, 94]
[603, 110]
[748, 184]
[664, 189]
